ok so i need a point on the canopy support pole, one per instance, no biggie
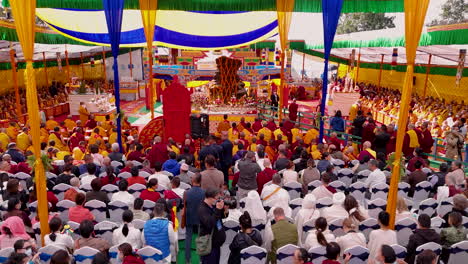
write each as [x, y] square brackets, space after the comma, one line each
[380, 73]
[104, 69]
[131, 64]
[358, 66]
[82, 67]
[68, 70]
[428, 69]
[303, 66]
[15, 83]
[45, 69]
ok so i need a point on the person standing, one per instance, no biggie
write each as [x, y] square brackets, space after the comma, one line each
[248, 169]
[358, 123]
[190, 219]
[293, 110]
[226, 157]
[210, 213]
[281, 233]
[211, 177]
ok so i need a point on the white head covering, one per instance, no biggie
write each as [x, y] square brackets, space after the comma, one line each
[338, 198]
[254, 206]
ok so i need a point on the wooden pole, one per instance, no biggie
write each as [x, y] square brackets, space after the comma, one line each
[281, 88]
[104, 68]
[15, 83]
[131, 64]
[82, 67]
[380, 73]
[303, 66]
[45, 69]
[68, 70]
[150, 58]
[428, 69]
[358, 65]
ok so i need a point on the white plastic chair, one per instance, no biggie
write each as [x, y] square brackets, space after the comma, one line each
[465, 222]
[295, 205]
[306, 227]
[150, 255]
[144, 174]
[428, 207]
[185, 186]
[138, 224]
[74, 226]
[51, 176]
[60, 190]
[338, 185]
[116, 209]
[105, 229]
[98, 209]
[459, 253]
[317, 254]
[375, 207]
[359, 255]
[294, 189]
[434, 247]
[136, 189]
[346, 176]
[445, 207]
[400, 251]
[362, 175]
[124, 175]
[358, 190]
[116, 164]
[33, 209]
[253, 255]
[421, 192]
[379, 190]
[404, 229]
[86, 187]
[85, 255]
[368, 226]
[312, 185]
[63, 207]
[403, 189]
[136, 163]
[336, 227]
[110, 189]
[114, 255]
[148, 206]
[323, 202]
[285, 254]
[5, 254]
[45, 253]
[437, 223]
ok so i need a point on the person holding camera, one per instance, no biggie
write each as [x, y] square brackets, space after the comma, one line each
[211, 233]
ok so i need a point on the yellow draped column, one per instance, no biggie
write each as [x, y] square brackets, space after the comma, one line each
[15, 84]
[284, 10]
[415, 13]
[24, 14]
[148, 15]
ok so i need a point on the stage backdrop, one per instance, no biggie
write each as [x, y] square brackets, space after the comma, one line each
[124, 66]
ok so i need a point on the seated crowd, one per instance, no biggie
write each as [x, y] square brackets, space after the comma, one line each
[295, 200]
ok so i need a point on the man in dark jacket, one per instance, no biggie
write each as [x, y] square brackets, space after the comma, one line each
[210, 213]
[226, 158]
[192, 201]
[248, 169]
[424, 234]
[358, 122]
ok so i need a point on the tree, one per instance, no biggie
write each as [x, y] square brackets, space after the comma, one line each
[452, 12]
[356, 22]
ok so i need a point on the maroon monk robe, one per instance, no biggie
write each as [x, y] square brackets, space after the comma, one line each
[293, 111]
[262, 142]
[336, 141]
[407, 151]
[272, 126]
[427, 141]
[368, 133]
[391, 145]
[257, 125]
[158, 153]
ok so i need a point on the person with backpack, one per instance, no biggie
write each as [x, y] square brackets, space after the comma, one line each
[247, 237]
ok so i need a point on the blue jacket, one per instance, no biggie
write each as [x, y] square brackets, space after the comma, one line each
[193, 198]
[157, 236]
[337, 124]
[172, 166]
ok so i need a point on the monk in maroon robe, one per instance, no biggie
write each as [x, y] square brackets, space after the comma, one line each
[158, 152]
[368, 131]
[76, 138]
[271, 125]
[391, 145]
[301, 93]
[427, 141]
[257, 125]
[293, 110]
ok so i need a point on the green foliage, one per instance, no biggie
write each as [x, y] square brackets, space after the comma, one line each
[82, 88]
[452, 12]
[391, 160]
[356, 22]
[45, 161]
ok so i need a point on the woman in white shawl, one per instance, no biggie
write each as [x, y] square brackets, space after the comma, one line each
[307, 212]
[254, 206]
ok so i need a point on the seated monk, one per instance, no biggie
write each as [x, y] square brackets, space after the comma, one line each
[349, 153]
[311, 136]
[367, 151]
[126, 125]
[107, 125]
[94, 137]
[233, 133]
[301, 93]
[91, 123]
[113, 136]
[84, 113]
[23, 140]
[4, 139]
[223, 125]
[57, 138]
[69, 123]
[12, 131]
[51, 123]
[266, 132]
[64, 130]
[76, 138]
[102, 131]
[257, 125]
[296, 133]
[241, 125]
[79, 151]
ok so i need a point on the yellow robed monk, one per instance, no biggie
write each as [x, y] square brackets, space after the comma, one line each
[84, 113]
[57, 138]
[44, 133]
[51, 123]
[23, 140]
[12, 131]
[4, 139]
[266, 133]
[224, 125]
[70, 124]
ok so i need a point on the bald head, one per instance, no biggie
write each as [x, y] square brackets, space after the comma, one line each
[366, 145]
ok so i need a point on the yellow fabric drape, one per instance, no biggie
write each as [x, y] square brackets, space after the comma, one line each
[15, 82]
[24, 13]
[415, 13]
[148, 15]
[284, 10]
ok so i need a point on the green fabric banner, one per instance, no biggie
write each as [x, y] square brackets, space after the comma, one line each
[315, 6]
[445, 37]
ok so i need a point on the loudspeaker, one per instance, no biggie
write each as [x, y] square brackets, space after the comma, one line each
[199, 126]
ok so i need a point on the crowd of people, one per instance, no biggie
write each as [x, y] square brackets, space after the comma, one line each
[191, 189]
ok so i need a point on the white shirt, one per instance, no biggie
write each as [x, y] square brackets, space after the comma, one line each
[133, 237]
[172, 239]
[321, 192]
[375, 177]
[63, 241]
[380, 237]
[87, 179]
[289, 176]
[334, 212]
[234, 214]
[311, 240]
[123, 196]
[162, 178]
[260, 163]
[279, 199]
[351, 239]
[179, 192]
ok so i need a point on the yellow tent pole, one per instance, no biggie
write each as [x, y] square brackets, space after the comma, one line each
[148, 15]
[45, 69]
[415, 13]
[428, 69]
[15, 83]
[380, 73]
[24, 14]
